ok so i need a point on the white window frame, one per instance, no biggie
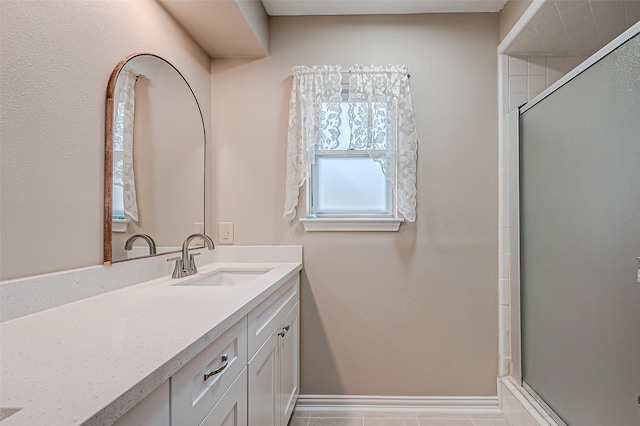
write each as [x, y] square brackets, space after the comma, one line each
[322, 221]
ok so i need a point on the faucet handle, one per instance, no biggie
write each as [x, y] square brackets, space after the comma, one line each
[178, 269]
[192, 263]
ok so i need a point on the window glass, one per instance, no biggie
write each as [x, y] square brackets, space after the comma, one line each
[350, 185]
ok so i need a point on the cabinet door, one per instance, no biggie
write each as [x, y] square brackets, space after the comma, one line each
[268, 315]
[264, 384]
[151, 411]
[231, 410]
[289, 363]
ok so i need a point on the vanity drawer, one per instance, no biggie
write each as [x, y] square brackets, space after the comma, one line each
[268, 314]
[232, 407]
[193, 396]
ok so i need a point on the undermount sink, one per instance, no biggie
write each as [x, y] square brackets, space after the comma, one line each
[225, 278]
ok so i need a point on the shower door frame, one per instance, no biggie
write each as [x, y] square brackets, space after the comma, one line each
[513, 140]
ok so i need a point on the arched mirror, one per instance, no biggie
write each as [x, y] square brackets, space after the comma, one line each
[154, 160]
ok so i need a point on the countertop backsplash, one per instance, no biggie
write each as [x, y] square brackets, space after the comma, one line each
[25, 296]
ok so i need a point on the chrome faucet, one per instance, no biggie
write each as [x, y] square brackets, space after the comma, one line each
[186, 265]
[152, 244]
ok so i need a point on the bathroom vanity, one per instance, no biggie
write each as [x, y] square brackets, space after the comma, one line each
[221, 345]
[127, 344]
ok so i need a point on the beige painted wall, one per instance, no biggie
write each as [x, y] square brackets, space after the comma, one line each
[407, 313]
[56, 58]
[510, 13]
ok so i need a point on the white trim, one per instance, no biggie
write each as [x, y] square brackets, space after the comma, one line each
[420, 404]
[119, 225]
[513, 142]
[610, 47]
[538, 403]
[527, 403]
[523, 22]
[351, 224]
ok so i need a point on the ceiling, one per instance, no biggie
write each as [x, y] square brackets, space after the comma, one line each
[574, 27]
[377, 7]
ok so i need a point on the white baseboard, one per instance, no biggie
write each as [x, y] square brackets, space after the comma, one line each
[417, 404]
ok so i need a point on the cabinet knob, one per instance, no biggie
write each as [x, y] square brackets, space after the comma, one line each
[285, 328]
[282, 333]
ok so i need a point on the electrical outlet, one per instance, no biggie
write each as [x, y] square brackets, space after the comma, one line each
[225, 232]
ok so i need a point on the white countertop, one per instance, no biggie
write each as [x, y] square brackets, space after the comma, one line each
[90, 361]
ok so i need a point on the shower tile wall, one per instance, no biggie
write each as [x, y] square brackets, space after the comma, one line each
[522, 78]
[529, 76]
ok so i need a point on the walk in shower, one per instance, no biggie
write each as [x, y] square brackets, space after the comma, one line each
[579, 241]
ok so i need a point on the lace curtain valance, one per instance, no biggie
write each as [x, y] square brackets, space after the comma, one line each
[381, 121]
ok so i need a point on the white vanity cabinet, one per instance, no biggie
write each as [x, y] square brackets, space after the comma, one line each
[290, 364]
[151, 411]
[199, 386]
[231, 410]
[273, 370]
[247, 376]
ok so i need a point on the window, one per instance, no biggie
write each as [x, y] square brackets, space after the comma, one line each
[354, 145]
[345, 181]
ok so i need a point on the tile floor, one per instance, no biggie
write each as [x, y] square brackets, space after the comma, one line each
[395, 419]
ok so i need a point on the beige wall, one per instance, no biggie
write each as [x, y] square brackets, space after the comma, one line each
[510, 14]
[56, 58]
[406, 313]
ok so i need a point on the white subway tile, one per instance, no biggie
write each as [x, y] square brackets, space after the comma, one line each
[555, 64]
[503, 188]
[502, 240]
[503, 214]
[552, 78]
[503, 266]
[516, 100]
[517, 65]
[504, 292]
[504, 366]
[505, 318]
[504, 343]
[536, 84]
[517, 84]
[503, 64]
[570, 62]
[536, 65]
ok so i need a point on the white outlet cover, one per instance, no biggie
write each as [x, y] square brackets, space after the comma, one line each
[225, 232]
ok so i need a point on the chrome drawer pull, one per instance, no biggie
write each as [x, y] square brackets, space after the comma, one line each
[209, 373]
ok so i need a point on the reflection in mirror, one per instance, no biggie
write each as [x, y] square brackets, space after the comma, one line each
[154, 160]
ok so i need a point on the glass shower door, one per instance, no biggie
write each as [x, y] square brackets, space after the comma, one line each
[580, 240]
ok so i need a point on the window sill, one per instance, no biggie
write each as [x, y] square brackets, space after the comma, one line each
[351, 224]
[119, 225]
